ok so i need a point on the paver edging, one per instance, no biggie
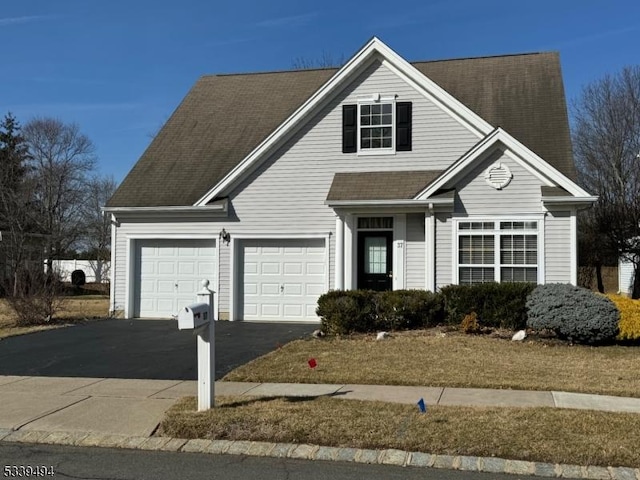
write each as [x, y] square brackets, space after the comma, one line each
[326, 453]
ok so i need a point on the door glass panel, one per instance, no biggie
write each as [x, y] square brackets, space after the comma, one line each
[375, 255]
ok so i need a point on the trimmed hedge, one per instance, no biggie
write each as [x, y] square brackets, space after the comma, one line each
[629, 317]
[573, 313]
[350, 311]
[498, 305]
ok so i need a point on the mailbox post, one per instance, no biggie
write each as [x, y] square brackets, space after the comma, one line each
[199, 318]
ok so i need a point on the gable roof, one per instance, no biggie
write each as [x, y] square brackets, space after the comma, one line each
[225, 117]
[402, 185]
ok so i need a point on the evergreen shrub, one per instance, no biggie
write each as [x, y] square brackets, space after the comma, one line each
[351, 311]
[573, 313]
[629, 317]
[498, 305]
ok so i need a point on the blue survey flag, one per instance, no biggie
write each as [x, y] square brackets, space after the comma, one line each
[422, 406]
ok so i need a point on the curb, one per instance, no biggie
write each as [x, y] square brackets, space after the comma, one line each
[315, 452]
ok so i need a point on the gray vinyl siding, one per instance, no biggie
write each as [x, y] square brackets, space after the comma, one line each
[286, 193]
[415, 250]
[476, 197]
[444, 251]
[289, 189]
[557, 233]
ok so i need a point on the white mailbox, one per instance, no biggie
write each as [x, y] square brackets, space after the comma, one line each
[193, 316]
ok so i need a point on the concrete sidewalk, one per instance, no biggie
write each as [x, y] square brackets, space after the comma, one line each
[135, 407]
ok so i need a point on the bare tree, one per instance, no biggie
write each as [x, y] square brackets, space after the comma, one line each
[606, 141]
[61, 158]
[97, 234]
[325, 60]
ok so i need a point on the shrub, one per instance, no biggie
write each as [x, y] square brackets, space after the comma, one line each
[352, 311]
[407, 309]
[470, 324]
[36, 297]
[347, 311]
[629, 324]
[573, 313]
[498, 305]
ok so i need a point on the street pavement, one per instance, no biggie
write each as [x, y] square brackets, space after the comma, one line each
[91, 463]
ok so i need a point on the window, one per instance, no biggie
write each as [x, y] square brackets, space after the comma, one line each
[375, 223]
[376, 126]
[497, 252]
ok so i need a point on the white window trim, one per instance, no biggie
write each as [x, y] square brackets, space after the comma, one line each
[540, 232]
[377, 99]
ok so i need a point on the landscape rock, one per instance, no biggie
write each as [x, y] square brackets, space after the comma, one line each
[519, 336]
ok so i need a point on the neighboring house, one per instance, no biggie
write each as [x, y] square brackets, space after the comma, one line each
[382, 174]
[626, 276]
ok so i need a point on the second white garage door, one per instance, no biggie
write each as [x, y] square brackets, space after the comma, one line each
[168, 274]
[281, 279]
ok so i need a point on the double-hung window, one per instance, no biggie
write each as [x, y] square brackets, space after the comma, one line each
[376, 127]
[497, 251]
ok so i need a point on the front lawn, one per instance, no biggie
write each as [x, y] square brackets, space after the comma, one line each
[536, 434]
[434, 358]
[74, 309]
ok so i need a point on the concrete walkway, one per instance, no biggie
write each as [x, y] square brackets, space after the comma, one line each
[135, 407]
[124, 413]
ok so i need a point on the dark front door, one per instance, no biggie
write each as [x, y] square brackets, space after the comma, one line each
[375, 260]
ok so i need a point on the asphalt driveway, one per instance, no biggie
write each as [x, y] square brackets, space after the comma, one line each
[153, 349]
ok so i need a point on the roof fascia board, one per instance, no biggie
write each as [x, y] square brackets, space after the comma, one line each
[569, 200]
[522, 155]
[208, 211]
[356, 62]
[389, 203]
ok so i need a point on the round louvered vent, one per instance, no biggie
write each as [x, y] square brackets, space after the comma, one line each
[498, 175]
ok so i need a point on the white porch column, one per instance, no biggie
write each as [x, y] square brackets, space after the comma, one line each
[339, 279]
[430, 250]
[348, 252]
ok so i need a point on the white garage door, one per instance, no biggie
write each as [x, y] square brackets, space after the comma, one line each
[281, 279]
[168, 274]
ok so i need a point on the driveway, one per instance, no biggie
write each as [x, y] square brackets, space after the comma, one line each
[153, 349]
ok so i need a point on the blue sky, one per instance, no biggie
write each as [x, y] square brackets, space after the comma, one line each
[119, 68]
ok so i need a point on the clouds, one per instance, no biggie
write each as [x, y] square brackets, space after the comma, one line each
[292, 21]
[9, 21]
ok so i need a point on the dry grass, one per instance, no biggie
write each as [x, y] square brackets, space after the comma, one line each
[73, 309]
[453, 360]
[535, 434]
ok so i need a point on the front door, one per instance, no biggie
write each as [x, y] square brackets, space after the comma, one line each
[375, 260]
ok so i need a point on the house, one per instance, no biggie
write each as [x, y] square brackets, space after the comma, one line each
[382, 174]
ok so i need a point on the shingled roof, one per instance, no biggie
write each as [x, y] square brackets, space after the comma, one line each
[224, 117]
[402, 185]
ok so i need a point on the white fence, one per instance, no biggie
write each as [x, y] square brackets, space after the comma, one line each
[94, 270]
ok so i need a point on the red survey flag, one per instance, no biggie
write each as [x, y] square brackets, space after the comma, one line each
[313, 363]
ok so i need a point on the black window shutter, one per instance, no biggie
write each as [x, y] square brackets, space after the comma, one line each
[349, 128]
[403, 126]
